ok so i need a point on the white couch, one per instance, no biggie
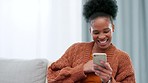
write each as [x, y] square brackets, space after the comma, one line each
[23, 71]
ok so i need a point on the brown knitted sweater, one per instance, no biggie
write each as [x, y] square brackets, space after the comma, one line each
[69, 68]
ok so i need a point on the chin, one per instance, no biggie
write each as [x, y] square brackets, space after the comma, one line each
[104, 46]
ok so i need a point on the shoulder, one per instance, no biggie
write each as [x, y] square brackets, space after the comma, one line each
[121, 53]
[118, 53]
[123, 56]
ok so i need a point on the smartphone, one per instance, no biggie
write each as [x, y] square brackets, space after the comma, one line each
[97, 57]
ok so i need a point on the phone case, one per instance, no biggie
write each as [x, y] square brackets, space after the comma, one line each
[97, 57]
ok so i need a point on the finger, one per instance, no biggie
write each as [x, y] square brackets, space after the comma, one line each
[100, 73]
[102, 69]
[59, 77]
[103, 75]
[106, 65]
[105, 78]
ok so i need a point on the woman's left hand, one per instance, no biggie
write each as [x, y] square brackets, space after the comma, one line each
[104, 72]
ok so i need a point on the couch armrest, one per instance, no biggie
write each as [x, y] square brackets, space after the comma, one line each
[23, 71]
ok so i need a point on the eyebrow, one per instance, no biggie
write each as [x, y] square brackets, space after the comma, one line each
[106, 28]
[103, 29]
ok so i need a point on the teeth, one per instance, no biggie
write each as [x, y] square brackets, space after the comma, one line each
[104, 41]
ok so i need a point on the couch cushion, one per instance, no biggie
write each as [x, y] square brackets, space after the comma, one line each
[23, 71]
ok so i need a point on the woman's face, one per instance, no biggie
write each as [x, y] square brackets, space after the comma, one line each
[101, 31]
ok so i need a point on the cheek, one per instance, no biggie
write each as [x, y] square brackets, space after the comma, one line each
[94, 37]
[109, 35]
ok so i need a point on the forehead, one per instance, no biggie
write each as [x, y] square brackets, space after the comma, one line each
[101, 22]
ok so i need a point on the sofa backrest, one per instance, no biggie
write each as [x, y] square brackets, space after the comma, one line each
[23, 71]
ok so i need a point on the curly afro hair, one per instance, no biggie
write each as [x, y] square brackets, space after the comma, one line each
[94, 8]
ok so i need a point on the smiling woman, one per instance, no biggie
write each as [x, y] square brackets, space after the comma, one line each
[130, 34]
[38, 28]
[76, 64]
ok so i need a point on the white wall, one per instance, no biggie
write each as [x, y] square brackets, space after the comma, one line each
[38, 28]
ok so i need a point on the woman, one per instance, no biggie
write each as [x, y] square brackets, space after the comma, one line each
[76, 65]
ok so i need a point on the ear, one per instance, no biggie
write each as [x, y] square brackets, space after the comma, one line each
[90, 30]
[113, 27]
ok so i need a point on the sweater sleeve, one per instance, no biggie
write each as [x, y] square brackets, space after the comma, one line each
[61, 70]
[125, 73]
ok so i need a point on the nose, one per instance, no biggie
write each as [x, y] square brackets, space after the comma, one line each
[101, 36]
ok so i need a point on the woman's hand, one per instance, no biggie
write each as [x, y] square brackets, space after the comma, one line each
[88, 67]
[104, 72]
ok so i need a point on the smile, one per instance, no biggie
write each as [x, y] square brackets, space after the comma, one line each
[103, 42]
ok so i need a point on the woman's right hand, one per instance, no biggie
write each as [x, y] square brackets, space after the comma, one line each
[88, 67]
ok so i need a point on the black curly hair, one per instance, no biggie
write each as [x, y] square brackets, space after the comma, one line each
[95, 8]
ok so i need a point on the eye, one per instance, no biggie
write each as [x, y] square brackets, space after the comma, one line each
[95, 32]
[106, 30]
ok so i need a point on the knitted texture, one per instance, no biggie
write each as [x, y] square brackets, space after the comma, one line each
[69, 68]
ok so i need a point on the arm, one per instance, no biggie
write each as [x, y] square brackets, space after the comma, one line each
[61, 70]
[125, 73]
[66, 74]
